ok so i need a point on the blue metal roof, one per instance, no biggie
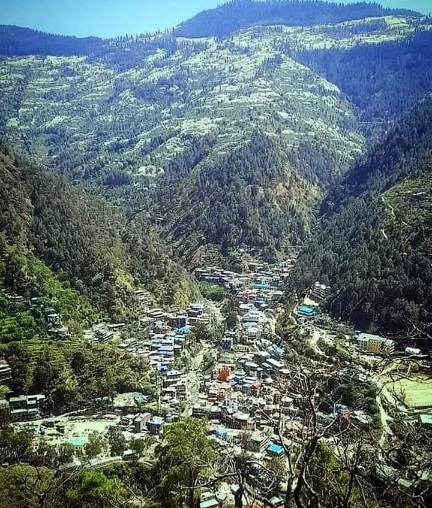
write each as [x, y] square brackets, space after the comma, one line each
[305, 309]
[183, 329]
[275, 448]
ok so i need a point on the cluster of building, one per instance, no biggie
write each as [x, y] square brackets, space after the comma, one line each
[104, 332]
[242, 394]
[166, 335]
[41, 308]
[32, 406]
[258, 292]
[245, 393]
[142, 423]
[162, 342]
[262, 282]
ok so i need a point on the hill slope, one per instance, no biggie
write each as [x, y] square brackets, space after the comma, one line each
[133, 107]
[153, 122]
[381, 80]
[373, 241]
[54, 236]
[238, 14]
[253, 198]
[18, 41]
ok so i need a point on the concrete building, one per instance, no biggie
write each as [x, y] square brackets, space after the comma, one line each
[52, 318]
[5, 371]
[178, 321]
[171, 378]
[140, 422]
[370, 343]
[201, 410]
[252, 333]
[258, 443]
[155, 425]
[320, 291]
[26, 407]
[227, 343]
[426, 421]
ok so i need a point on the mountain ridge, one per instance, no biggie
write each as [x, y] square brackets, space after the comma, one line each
[155, 118]
[82, 243]
[239, 14]
[372, 243]
[21, 41]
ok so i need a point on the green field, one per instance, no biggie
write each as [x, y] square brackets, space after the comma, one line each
[416, 392]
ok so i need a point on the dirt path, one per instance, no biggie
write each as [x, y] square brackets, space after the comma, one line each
[193, 378]
[385, 418]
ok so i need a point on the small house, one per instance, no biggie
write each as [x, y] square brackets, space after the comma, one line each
[155, 425]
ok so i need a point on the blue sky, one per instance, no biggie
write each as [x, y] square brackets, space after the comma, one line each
[109, 18]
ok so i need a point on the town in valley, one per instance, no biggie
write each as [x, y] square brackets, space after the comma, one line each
[245, 364]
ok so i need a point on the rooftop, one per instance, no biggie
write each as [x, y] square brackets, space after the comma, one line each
[275, 448]
[210, 503]
[77, 441]
[426, 419]
[370, 336]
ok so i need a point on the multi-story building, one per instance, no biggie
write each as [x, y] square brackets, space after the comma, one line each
[320, 291]
[140, 422]
[370, 343]
[258, 442]
[155, 425]
[5, 371]
[26, 407]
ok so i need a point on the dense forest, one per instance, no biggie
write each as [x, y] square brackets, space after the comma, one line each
[381, 80]
[372, 243]
[18, 41]
[239, 14]
[253, 197]
[57, 239]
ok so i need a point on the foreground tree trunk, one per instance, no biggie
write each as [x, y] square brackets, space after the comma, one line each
[238, 497]
[191, 490]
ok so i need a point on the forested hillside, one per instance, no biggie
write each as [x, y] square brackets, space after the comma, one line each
[57, 241]
[238, 14]
[373, 240]
[18, 41]
[254, 197]
[169, 126]
[382, 80]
